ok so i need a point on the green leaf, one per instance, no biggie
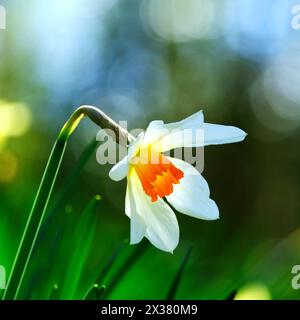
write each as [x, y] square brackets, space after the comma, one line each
[129, 262]
[95, 293]
[176, 282]
[79, 248]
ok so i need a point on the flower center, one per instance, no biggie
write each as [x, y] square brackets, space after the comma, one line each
[156, 173]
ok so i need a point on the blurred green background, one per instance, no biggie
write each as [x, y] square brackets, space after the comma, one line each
[139, 61]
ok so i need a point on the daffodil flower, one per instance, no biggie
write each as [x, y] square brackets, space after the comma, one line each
[151, 183]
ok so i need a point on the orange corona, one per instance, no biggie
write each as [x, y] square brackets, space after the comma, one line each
[157, 176]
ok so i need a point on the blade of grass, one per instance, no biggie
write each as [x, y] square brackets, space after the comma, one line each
[56, 271]
[175, 284]
[53, 219]
[107, 267]
[232, 295]
[34, 220]
[72, 178]
[129, 262]
[101, 292]
[39, 207]
[110, 262]
[95, 293]
[82, 240]
[34, 284]
[54, 292]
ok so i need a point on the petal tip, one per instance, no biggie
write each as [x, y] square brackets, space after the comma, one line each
[244, 134]
[113, 176]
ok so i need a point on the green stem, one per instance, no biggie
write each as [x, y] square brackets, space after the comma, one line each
[34, 220]
[71, 179]
[45, 189]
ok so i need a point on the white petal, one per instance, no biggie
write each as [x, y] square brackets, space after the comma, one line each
[191, 195]
[175, 135]
[154, 132]
[135, 145]
[161, 223]
[192, 122]
[119, 171]
[218, 134]
[190, 132]
[137, 224]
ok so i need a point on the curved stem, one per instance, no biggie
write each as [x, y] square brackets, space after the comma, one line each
[46, 186]
[120, 135]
